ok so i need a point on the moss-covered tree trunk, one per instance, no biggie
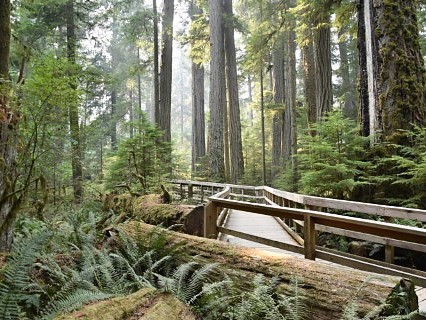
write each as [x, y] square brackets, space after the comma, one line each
[8, 129]
[395, 88]
[278, 93]
[76, 155]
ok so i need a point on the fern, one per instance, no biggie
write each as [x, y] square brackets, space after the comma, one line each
[187, 282]
[73, 301]
[226, 300]
[17, 288]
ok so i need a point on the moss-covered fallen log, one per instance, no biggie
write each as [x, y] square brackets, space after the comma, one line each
[151, 209]
[145, 304]
[328, 288]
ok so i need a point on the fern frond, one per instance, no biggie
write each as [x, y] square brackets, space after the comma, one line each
[17, 286]
[73, 301]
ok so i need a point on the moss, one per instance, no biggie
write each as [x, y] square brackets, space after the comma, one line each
[146, 304]
[326, 287]
[402, 95]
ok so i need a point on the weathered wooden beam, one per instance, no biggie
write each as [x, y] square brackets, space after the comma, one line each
[210, 220]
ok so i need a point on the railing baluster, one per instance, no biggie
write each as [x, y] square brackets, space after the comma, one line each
[309, 237]
[389, 250]
[190, 191]
[210, 220]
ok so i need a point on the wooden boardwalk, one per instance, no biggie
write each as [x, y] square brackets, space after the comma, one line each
[258, 225]
[268, 227]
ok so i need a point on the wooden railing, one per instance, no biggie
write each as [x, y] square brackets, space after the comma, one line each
[311, 214]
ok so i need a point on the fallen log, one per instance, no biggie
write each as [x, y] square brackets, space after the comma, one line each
[328, 288]
[144, 304]
[151, 209]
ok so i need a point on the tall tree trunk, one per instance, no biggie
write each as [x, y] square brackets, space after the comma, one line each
[289, 124]
[140, 84]
[309, 82]
[156, 110]
[198, 118]
[131, 112]
[8, 131]
[395, 70]
[217, 92]
[76, 155]
[165, 104]
[323, 71]
[113, 120]
[364, 112]
[278, 94]
[235, 143]
[349, 102]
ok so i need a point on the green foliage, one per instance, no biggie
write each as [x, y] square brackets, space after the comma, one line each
[328, 160]
[226, 300]
[398, 171]
[143, 160]
[17, 290]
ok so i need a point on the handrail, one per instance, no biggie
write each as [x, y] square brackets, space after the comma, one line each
[355, 206]
[285, 205]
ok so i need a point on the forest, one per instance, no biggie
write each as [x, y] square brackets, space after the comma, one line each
[102, 98]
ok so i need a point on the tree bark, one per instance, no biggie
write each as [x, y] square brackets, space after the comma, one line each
[323, 71]
[156, 110]
[290, 100]
[8, 131]
[217, 93]
[278, 93]
[113, 121]
[395, 70]
[349, 107]
[76, 156]
[364, 113]
[198, 119]
[309, 82]
[235, 142]
[165, 104]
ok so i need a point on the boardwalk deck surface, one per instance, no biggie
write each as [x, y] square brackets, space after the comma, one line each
[267, 227]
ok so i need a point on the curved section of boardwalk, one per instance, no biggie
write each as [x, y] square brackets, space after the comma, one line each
[257, 225]
[268, 227]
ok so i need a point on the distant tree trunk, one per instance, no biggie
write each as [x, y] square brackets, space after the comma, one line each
[395, 70]
[278, 93]
[235, 143]
[217, 92]
[198, 118]
[323, 71]
[131, 112]
[113, 121]
[166, 71]
[76, 155]
[140, 84]
[156, 110]
[290, 129]
[309, 82]
[8, 131]
[349, 108]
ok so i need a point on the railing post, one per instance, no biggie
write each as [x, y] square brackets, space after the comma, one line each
[190, 191]
[309, 235]
[389, 250]
[202, 193]
[210, 220]
[182, 195]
